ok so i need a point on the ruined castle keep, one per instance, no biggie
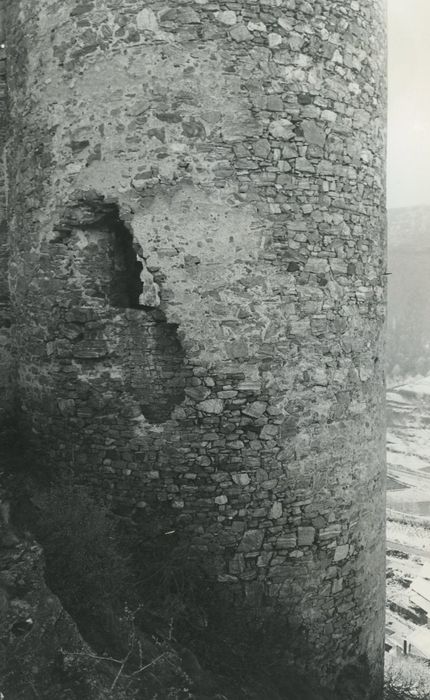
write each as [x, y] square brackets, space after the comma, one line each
[195, 249]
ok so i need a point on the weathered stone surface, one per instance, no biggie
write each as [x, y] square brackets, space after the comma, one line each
[251, 541]
[221, 500]
[274, 39]
[330, 532]
[241, 479]
[7, 361]
[255, 409]
[257, 27]
[286, 541]
[313, 132]
[211, 406]
[276, 511]
[337, 586]
[341, 552]
[305, 536]
[147, 20]
[281, 129]
[195, 236]
[226, 17]
[240, 33]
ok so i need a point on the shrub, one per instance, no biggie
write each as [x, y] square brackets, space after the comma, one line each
[406, 679]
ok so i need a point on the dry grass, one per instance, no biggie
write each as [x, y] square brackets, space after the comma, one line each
[406, 679]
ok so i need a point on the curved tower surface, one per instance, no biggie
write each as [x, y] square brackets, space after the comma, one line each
[197, 235]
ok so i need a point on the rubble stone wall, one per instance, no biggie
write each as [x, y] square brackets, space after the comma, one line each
[7, 384]
[197, 215]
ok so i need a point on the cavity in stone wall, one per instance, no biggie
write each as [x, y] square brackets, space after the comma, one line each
[106, 268]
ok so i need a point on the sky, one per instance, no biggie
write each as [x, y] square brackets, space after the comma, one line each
[408, 103]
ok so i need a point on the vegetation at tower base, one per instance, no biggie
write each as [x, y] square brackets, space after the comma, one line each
[45, 655]
[407, 679]
[137, 647]
[196, 225]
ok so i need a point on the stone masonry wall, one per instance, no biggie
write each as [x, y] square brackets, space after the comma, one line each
[197, 218]
[6, 354]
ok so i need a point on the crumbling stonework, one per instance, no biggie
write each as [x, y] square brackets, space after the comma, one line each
[227, 382]
[7, 377]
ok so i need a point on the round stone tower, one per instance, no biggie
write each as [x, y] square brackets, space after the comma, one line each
[197, 222]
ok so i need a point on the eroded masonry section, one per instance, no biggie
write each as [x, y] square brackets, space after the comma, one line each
[120, 322]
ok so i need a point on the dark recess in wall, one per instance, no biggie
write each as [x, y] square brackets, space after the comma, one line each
[108, 271]
[126, 285]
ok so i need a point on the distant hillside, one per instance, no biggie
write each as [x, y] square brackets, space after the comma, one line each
[408, 342]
